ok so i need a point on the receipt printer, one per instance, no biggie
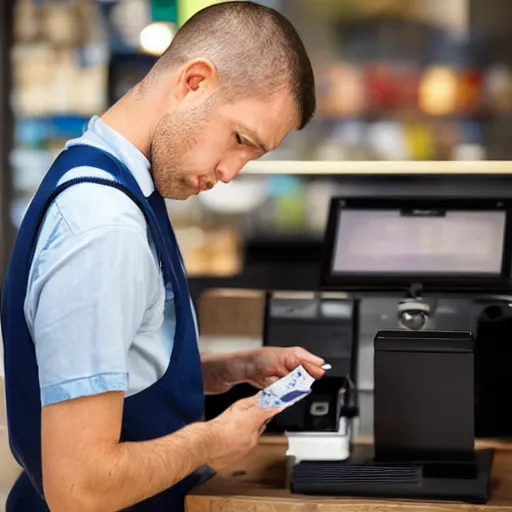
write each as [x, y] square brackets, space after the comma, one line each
[325, 422]
[324, 325]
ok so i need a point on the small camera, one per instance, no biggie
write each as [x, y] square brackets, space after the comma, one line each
[413, 314]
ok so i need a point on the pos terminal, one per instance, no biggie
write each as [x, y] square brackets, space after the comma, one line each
[424, 379]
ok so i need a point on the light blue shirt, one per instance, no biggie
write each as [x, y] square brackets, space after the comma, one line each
[96, 300]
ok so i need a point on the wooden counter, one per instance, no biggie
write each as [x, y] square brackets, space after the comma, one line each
[257, 484]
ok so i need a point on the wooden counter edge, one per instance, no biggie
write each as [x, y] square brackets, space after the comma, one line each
[497, 444]
[262, 504]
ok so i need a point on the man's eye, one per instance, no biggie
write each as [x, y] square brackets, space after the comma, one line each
[238, 138]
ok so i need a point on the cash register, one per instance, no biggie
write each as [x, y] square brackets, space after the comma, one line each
[418, 250]
[414, 310]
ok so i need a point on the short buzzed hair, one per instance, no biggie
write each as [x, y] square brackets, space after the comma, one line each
[254, 48]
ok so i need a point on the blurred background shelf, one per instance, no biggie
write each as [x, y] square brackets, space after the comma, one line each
[315, 168]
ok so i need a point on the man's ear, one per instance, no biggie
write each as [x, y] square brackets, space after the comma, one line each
[198, 76]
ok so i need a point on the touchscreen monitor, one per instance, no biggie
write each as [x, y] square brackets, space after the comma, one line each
[417, 240]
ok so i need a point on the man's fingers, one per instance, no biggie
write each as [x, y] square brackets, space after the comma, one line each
[316, 372]
[270, 412]
[252, 404]
[313, 364]
[307, 357]
[264, 425]
[267, 413]
[271, 380]
[249, 405]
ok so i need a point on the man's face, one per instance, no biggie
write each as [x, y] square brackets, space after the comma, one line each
[204, 142]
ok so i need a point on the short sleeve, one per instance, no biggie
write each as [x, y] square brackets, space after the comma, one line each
[88, 305]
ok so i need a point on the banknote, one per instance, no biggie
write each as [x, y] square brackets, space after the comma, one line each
[288, 390]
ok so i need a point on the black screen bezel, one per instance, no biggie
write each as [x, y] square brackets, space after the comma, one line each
[391, 281]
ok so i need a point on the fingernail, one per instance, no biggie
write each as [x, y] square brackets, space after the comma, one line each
[326, 366]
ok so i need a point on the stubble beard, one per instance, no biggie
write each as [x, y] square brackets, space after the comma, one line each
[176, 135]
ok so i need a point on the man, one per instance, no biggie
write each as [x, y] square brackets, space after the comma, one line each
[105, 383]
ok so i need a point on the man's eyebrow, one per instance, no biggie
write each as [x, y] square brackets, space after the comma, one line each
[253, 138]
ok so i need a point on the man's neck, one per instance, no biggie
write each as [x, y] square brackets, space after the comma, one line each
[131, 118]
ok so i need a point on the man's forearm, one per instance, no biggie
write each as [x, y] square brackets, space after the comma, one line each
[124, 474]
[222, 371]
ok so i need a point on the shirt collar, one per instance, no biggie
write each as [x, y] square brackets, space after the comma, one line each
[104, 137]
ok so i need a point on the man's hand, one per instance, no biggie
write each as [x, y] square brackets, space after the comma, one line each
[267, 365]
[237, 430]
[260, 367]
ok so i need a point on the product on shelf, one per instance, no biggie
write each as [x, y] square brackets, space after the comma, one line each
[438, 91]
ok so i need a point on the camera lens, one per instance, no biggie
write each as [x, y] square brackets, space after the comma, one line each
[413, 314]
[413, 320]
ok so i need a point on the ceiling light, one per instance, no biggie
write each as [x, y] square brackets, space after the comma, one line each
[156, 37]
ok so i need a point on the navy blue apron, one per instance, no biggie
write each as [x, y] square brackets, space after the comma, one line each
[174, 401]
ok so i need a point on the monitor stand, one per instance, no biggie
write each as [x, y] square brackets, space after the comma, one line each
[424, 427]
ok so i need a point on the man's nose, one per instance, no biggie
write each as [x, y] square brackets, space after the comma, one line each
[228, 169]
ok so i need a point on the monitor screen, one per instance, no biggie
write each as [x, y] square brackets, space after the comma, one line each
[390, 241]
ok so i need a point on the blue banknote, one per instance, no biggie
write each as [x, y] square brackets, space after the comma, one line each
[288, 390]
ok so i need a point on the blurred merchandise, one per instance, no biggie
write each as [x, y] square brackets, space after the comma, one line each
[357, 9]
[26, 21]
[60, 62]
[59, 24]
[382, 86]
[232, 312]
[469, 91]
[498, 88]
[387, 139]
[468, 152]
[341, 91]
[288, 193]
[438, 91]
[216, 252]
[319, 193]
[127, 20]
[420, 141]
